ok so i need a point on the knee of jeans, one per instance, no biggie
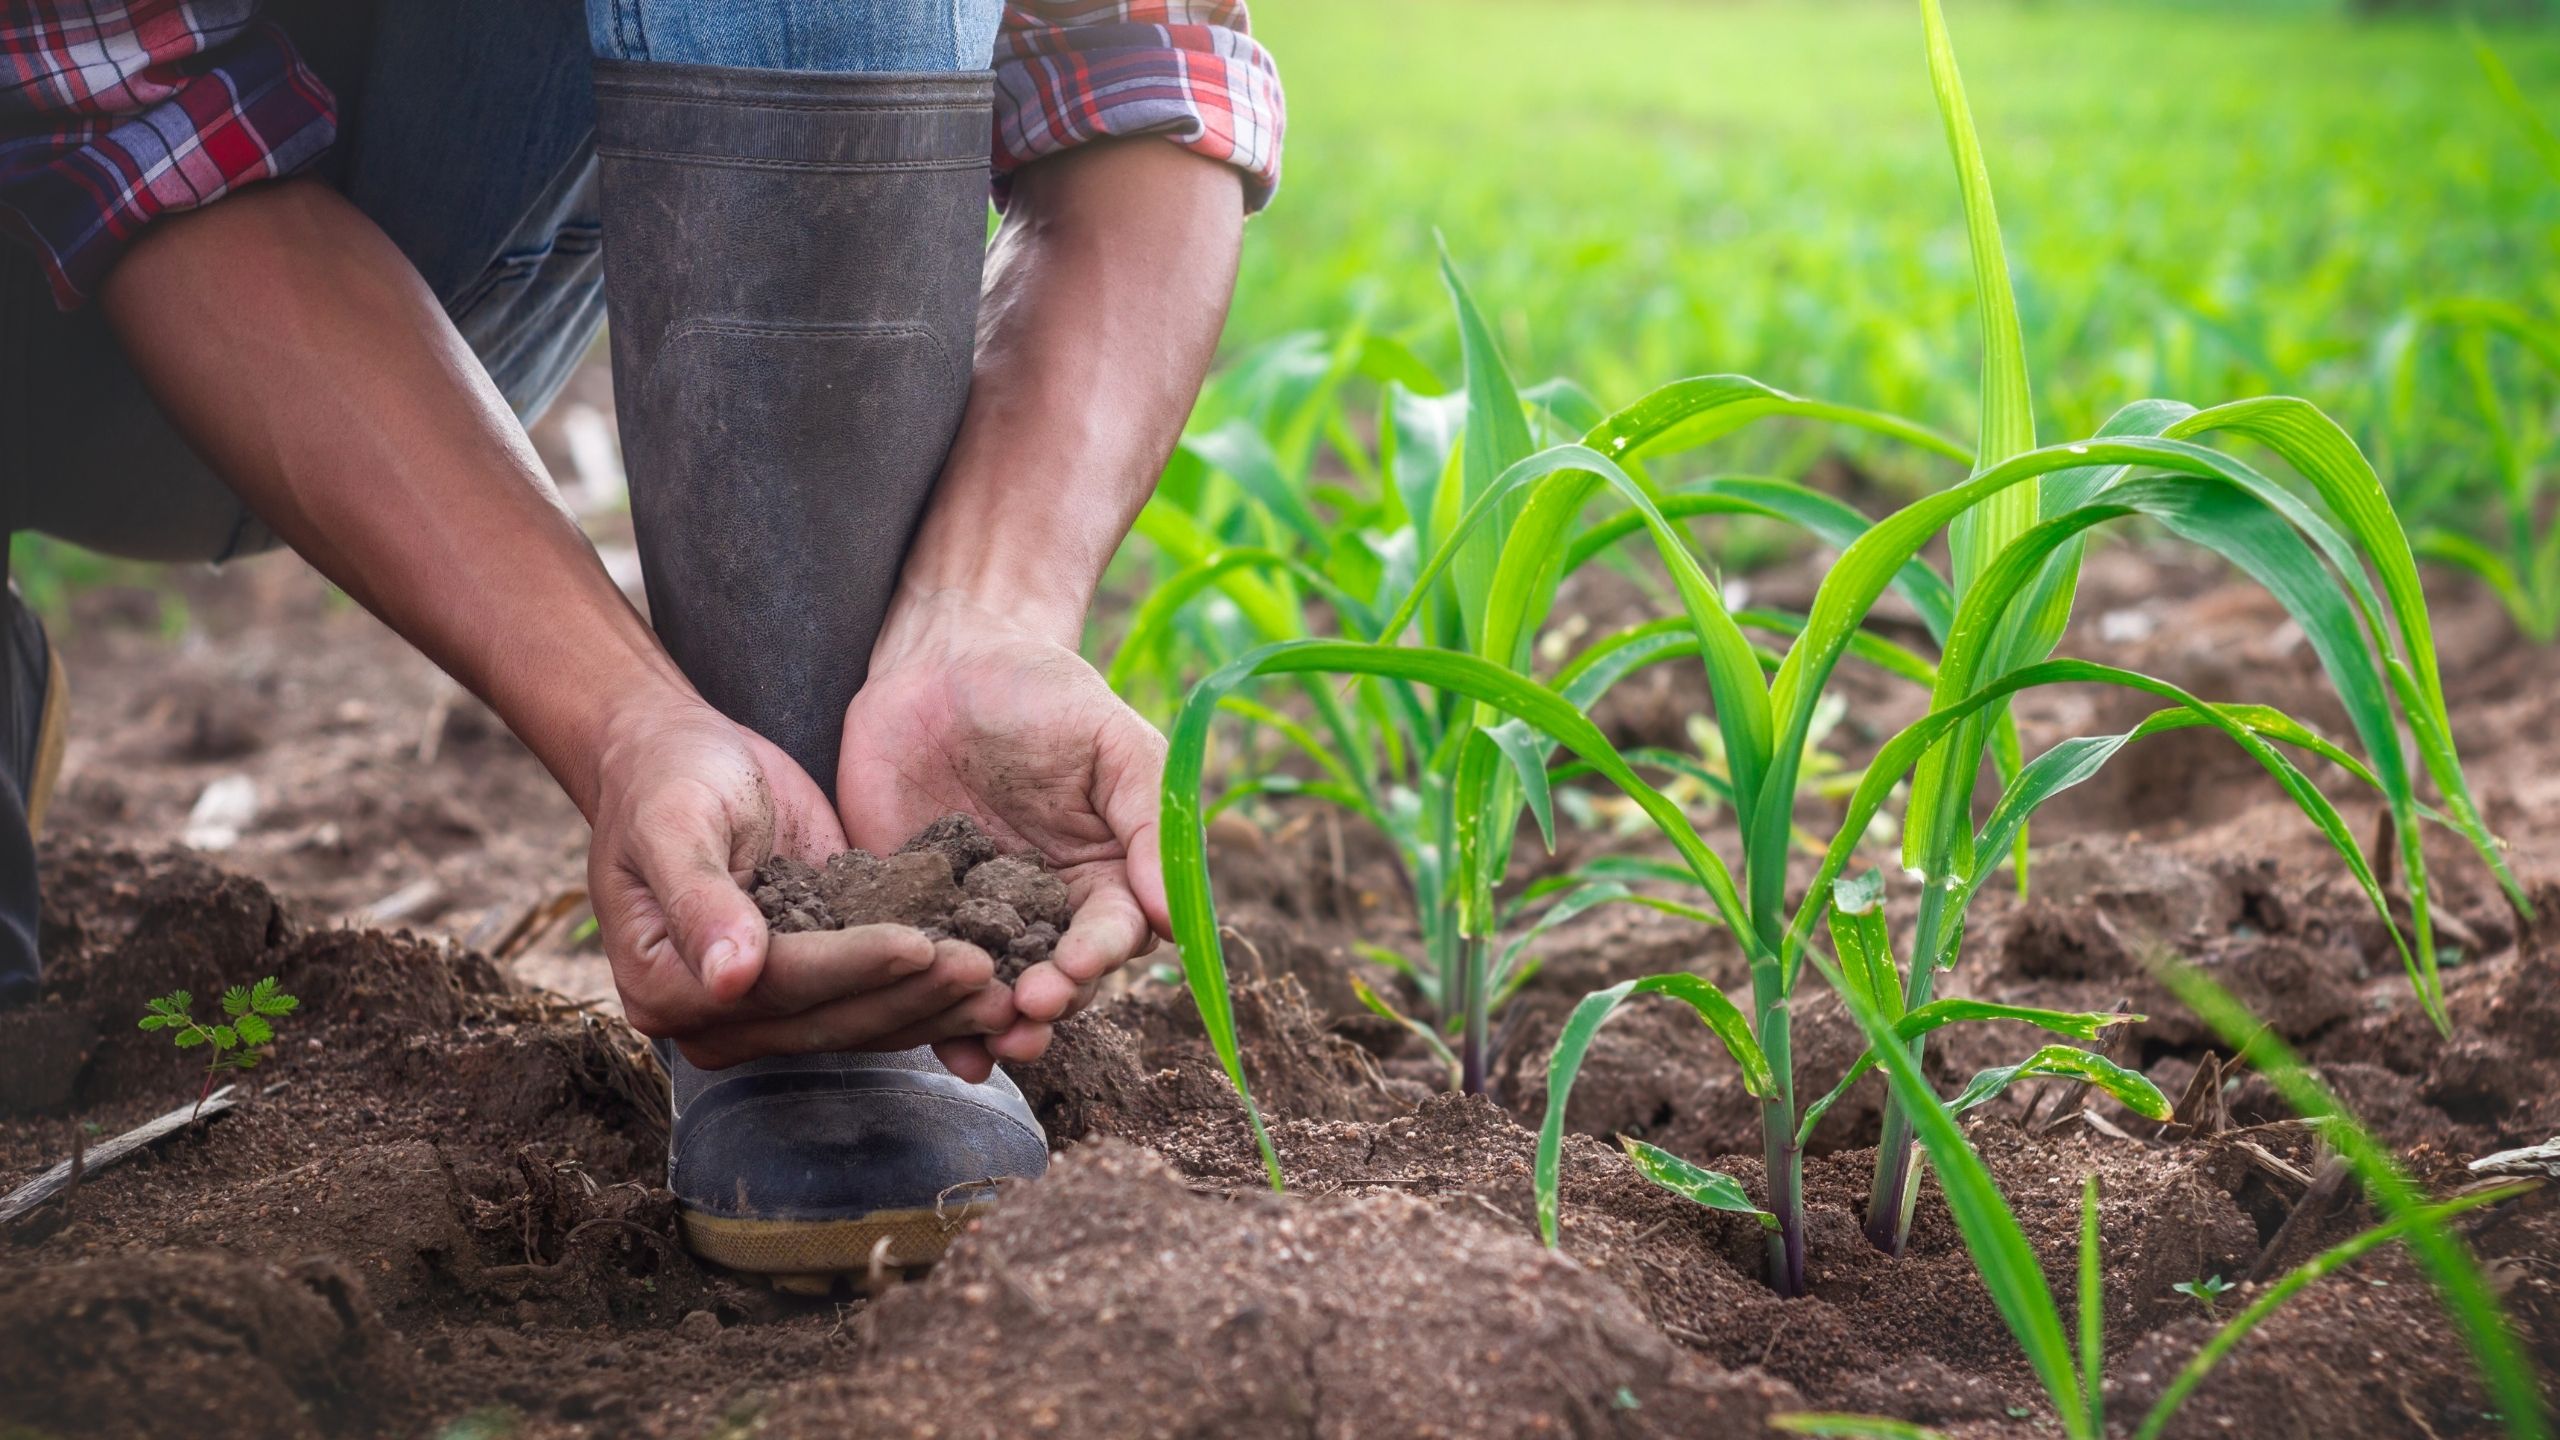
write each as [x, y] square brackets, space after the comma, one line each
[818, 35]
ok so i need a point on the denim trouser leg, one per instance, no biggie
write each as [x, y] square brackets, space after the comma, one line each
[865, 35]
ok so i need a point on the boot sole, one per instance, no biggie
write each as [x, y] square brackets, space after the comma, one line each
[808, 1257]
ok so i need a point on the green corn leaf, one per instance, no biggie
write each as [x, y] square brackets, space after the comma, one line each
[2240, 520]
[2064, 1062]
[2080, 1025]
[1565, 476]
[2001, 1254]
[1496, 438]
[1721, 1017]
[2464, 553]
[1864, 945]
[2292, 1283]
[1903, 748]
[2008, 409]
[1331, 794]
[254, 1030]
[1185, 845]
[1832, 521]
[1421, 433]
[1711, 1188]
[1852, 1427]
[2466, 1292]
[1155, 616]
[1686, 414]
[235, 1001]
[1238, 450]
[1377, 1005]
[2327, 457]
[1526, 750]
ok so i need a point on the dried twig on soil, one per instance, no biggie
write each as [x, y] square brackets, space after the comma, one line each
[60, 1180]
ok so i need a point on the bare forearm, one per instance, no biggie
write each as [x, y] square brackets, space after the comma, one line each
[298, 351]
[1108, 284]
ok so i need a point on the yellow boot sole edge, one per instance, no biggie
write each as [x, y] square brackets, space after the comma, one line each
[809, 1256]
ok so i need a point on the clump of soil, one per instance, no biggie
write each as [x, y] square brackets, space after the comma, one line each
[948, 881]
[1231, 1318]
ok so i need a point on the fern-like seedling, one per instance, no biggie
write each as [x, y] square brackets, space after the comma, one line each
[238, 1041]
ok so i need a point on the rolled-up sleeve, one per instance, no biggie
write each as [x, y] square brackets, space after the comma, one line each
[1073, 71]
[115, 114]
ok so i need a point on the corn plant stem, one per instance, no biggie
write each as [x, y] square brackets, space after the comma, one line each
[1889, 1202]
[1783, 1158]
[1471, 1052]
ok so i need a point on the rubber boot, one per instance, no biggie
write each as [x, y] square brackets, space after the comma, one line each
[792, 263]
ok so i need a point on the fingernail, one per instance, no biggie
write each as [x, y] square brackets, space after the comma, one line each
[721, 958]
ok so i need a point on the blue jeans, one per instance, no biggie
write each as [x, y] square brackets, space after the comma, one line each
[467, 132]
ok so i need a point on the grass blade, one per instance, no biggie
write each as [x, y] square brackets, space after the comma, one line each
[2268, 1301]
[2457, 1277]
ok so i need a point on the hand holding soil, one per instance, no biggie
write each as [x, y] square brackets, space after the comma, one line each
[688, 803]
[967, 712]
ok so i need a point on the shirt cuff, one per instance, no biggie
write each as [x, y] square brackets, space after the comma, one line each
[81, 186]
[1196, 79]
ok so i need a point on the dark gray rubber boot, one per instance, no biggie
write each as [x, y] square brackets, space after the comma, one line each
[792, 263]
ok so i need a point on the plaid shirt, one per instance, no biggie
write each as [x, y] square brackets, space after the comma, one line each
[115, 112]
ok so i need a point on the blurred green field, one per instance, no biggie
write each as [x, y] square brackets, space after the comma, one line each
[2201, 203]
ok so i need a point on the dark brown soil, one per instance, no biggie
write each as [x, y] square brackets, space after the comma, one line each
[947, 881]
[440, 1209]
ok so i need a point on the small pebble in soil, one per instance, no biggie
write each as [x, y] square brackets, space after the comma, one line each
[948, 882]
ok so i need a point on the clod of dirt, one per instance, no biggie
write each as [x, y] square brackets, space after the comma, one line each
[200, 1344]
[948, 882]
[1112, 1300]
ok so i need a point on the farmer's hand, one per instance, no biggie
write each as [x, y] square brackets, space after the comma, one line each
[968, 709]
[688, 803]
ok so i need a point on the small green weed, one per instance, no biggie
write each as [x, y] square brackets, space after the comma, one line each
[239, 1041]
[2207, 1292]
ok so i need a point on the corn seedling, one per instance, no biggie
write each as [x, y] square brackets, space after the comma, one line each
[238, 1041]
[2071, 1369]
[2207, 1292]
[2341, 566]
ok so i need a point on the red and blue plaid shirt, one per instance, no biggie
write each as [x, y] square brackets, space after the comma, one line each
[115, 112]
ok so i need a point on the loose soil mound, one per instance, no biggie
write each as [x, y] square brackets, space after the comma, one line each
[947, 881]
[1110, 1299]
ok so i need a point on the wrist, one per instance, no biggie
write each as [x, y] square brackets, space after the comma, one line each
[581, 727]
[992, 578]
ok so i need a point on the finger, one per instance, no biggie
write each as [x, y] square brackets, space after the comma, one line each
[1107, 932]
[809, 968]
[880, 1020]
[967, 1058]
[682, 850]
[1025, 1042]
[1131, 800]
[989, 1012]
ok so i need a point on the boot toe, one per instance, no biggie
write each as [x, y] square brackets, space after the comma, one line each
[801, 1172]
